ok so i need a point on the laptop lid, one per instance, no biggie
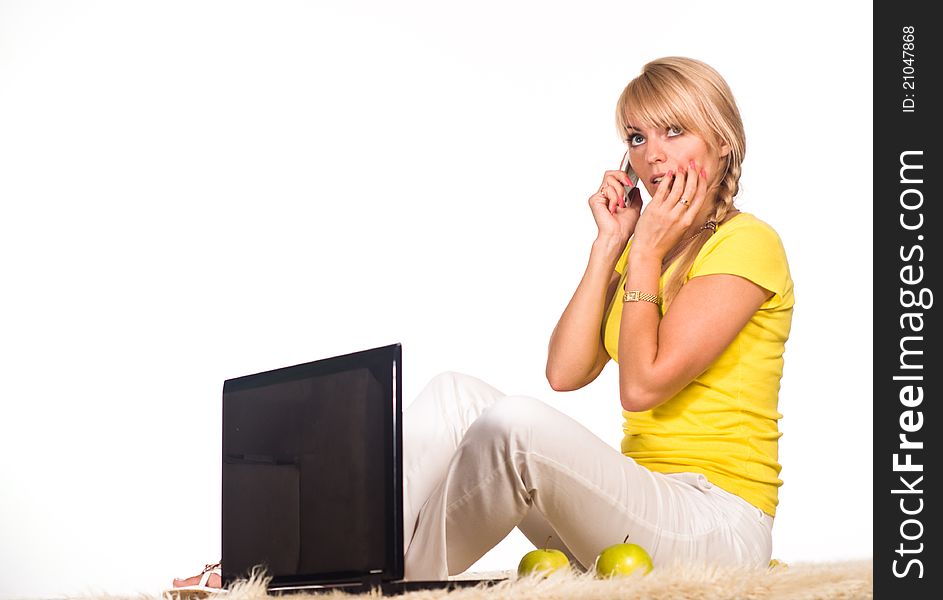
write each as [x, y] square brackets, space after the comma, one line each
[312, 471]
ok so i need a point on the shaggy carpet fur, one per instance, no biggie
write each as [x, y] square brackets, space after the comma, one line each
[844, 580]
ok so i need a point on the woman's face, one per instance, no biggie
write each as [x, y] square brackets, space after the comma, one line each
[655, 151]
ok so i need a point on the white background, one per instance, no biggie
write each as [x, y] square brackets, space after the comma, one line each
[193, 191]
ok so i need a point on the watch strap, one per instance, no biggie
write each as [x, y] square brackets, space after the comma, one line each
[638, 295]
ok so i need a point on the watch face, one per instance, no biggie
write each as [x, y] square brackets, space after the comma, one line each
[638, 296]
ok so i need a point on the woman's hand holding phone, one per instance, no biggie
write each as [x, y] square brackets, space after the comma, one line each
[616, 206]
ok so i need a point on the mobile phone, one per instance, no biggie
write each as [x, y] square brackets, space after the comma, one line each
[633, 177]
[628, 170]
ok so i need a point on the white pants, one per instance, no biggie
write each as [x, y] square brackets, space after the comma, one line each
[477, 463]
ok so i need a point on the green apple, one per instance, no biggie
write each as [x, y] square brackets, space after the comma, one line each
[623, 559]
[544, 561]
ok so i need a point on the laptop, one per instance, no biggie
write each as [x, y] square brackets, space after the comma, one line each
[312, 476]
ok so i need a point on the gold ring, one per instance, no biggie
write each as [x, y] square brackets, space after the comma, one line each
[683, 201]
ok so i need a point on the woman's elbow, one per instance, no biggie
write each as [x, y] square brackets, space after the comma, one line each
[552, 379]
[638, 398]
[561, 380]
[561, 387]
[559, 384]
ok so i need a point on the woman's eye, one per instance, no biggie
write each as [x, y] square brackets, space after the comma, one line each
[635, 139]
[673, 131]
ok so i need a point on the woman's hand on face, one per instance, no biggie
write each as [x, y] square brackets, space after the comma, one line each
[666, 219]
[615, 211]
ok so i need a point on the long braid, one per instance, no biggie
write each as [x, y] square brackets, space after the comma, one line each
[729, 187]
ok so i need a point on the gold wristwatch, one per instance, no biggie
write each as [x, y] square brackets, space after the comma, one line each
[638, 295]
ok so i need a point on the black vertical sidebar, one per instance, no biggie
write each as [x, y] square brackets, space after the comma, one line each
[908, 370]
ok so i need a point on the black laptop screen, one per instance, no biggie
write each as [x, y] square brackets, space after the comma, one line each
[311, 471]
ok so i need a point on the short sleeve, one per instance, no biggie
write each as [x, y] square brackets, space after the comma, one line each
[753, 251]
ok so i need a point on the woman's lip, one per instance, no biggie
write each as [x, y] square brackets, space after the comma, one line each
[658, 176]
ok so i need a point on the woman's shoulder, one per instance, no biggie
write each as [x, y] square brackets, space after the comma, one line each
[743, 220]
[746, 245]
[743, 237]
[744, 224]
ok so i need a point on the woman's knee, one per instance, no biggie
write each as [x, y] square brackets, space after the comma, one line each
[512, 415]
[453, 386]
[455, 381]
[449, 379]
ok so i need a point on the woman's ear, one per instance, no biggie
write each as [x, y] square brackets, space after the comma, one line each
[724, 148]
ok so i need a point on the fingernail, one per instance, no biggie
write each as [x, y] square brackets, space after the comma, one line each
[671, 173]
[703, 173]
[691, 164]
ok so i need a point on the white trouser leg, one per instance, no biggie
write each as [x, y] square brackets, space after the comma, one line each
[433, 426]
[521, 453]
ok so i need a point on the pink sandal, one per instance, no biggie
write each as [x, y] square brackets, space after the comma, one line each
[204, 588]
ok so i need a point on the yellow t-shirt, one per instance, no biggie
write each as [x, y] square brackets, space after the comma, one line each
[724, 423]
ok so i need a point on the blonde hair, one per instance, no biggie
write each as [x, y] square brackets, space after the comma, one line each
[687, 93]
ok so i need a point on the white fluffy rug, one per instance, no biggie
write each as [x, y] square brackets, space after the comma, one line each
[844, 580]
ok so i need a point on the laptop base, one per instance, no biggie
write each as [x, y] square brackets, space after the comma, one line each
[388, 588]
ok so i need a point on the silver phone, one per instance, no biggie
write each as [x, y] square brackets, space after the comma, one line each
[633, 177]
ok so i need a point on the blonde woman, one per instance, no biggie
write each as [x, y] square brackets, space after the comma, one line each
[694, 300]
